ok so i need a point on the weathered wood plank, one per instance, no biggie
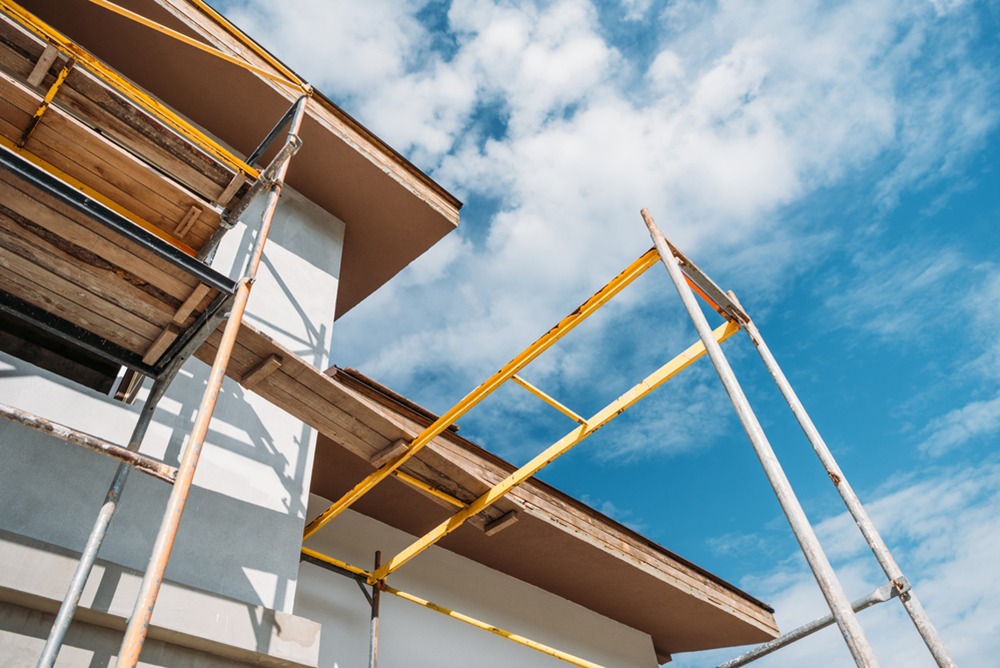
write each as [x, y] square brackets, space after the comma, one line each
[396, 448]
[98, 105]
[40, 288]
[261, 371]
[84, 268]
[41, 68]
[191, 304]
[119, 318]
[77, 228]
[160, 345]
[498, 525]
[108, 169]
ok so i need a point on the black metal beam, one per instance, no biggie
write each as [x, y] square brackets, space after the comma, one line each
[73, 335]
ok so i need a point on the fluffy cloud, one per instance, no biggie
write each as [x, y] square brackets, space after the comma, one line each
[532, 111]
[945, 534]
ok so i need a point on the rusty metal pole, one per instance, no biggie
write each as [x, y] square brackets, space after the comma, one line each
[72, 599]
[906, 595]
[376, 593]
[851, 629]
[138, 624]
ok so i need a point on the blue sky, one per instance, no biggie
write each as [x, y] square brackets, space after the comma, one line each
[835, 164]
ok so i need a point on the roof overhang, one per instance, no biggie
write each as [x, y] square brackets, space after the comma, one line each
[393, 212]
[558, 543]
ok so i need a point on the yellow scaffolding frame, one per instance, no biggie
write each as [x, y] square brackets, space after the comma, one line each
[588, 308]
[376, 578]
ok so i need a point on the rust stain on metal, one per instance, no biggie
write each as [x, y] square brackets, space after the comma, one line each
[834, 477]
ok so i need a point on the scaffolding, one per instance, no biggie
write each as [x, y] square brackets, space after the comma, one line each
[227, 307]
[689, 281]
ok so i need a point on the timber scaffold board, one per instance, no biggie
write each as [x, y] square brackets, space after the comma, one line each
[64, 262]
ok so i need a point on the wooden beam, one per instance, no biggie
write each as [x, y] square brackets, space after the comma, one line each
[41, 68]
[395, 449]
[231, 189]
[191, 303]
[261, 371]
[162, 342]
[190, 218]
[496, 526]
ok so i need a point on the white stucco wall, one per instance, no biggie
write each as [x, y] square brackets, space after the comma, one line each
[245, 513]
[416, 637]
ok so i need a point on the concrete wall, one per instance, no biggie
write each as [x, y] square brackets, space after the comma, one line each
[245, 513]
[416, 637]
[189, 628]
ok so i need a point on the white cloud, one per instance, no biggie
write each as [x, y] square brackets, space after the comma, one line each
[747, 107]
[944, 532]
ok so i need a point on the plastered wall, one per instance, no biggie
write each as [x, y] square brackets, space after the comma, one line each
[245, 513]
[416, 637]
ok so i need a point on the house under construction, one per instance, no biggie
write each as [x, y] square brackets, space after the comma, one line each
[169, 190]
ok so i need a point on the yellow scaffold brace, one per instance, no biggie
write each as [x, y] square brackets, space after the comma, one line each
[286, 77]
[556, 450]
[513, 637]
[547, 340]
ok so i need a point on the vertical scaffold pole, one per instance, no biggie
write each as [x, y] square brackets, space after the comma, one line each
[72, 599]
[840, 606]
[376, 594]
[138, 624]
[908, 597]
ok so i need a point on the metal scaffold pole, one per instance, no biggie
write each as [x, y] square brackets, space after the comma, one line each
[840, 606]
[138, 625]
[100, 529]
[376, 595]
[906, 595]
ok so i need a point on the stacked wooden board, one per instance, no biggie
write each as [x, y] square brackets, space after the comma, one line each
[131, 286]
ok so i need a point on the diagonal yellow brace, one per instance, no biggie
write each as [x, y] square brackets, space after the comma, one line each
[521, 640]
[602, 297]
[51, 95]
[610, 412]
[142, 20]
[547, 399]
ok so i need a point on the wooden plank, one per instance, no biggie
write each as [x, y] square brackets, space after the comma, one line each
[191, 303]
[160, 345]
[498, 525]
[79, 229]
[42, 66]
[117, 117]
[47, 294]
[396, 448]
[230, 192]
[190, 218]
[84, 268]
[98, 105]
[112, 317]
[260, 372]
[108, 169]
[285, 391]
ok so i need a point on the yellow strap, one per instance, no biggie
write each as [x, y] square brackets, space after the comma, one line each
[252, 45]
[197, 44]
